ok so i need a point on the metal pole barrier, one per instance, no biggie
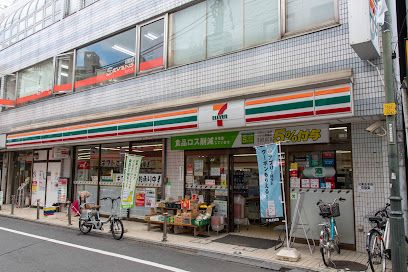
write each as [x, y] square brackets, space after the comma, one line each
[69, 213]
[13, 202]
[38, 209]
[165, 227]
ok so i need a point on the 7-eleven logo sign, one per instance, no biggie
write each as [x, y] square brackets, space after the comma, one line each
[220, 113]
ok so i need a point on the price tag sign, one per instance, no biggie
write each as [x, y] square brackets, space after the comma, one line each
[390, 109]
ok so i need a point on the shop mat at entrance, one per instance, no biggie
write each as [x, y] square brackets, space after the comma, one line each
[245, 241]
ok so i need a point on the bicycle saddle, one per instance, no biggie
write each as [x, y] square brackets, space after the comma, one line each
[375, 219]
[91, 206]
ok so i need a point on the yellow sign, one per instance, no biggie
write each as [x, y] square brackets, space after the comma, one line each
[390, 109]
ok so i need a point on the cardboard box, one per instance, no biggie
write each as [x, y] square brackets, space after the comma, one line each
[178, 220]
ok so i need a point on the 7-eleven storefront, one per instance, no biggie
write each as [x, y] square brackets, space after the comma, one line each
[213, 146]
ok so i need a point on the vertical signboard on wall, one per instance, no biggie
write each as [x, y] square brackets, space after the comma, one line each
[269, 181]
[130, 178]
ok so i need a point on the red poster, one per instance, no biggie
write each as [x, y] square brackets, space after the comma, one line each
[140, 198]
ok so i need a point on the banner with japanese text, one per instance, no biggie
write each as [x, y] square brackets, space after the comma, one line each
[130, 178]
[270, 188]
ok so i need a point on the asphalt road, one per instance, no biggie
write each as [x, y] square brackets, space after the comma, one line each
[46, 248]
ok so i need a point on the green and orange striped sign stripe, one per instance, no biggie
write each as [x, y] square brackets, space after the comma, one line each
[309, 103]
[141, 125]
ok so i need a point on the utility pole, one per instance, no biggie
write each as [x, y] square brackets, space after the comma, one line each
[398, 247]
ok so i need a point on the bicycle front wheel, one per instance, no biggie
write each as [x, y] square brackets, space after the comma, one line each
[325, 248]
[376, 251]
[117, 229]
[83, 227]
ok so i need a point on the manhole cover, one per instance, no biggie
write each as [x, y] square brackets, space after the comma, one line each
[348, 266]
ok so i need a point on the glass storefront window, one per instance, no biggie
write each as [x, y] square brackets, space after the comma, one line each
[151, 178]
[151, 46]
[87, 163]
[107, 61]
[207, 175]
[224, 26]
[35, 82]
[86, 171]
[23, 170]
[301, 14]
[188, 34]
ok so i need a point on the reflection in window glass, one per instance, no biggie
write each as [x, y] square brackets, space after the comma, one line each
[151, 45]
[187, 38]
[302, 13]
[35, 82]
[10, 87]
[30, 20]
[224, 26]
[48, 11]
[63, 73]
[39, 16]
[22, 25]
[261, 22]
[107, 61]
[74, 6]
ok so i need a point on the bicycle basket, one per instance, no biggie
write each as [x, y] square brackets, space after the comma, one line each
[327, 210]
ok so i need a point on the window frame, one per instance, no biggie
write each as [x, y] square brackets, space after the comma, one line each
[165, 18]
[310, 28]
[55, 72]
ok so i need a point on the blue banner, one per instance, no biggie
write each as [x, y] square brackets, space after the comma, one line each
[269, 181]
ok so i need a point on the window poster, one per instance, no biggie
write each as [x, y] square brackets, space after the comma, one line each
[198, 168]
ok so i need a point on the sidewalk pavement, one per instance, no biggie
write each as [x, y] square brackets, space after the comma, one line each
[198, 245]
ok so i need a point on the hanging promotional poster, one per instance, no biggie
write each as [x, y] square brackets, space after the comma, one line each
[130, 178]
[271, 206]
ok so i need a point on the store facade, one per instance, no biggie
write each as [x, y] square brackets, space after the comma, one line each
[219, 163]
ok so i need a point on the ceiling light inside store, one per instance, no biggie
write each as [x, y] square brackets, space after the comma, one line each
[157, 149]
[343, 151]
[338, 128]
[63, 66]
[151, 36]
[244, 155]
[148, 145]
[64, 74]
[123, 50]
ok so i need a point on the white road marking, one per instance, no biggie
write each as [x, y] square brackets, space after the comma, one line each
[103, 252]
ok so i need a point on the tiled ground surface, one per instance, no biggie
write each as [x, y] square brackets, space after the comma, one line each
[139, 231]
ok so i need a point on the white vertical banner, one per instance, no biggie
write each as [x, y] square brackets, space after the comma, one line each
[130, 178]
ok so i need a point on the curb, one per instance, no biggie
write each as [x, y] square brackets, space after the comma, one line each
[256, 262]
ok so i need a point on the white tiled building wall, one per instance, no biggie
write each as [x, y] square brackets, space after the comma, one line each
[370, 165]
[175, 171]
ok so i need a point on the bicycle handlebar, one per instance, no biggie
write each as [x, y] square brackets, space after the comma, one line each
[337, 199]
[109, 198]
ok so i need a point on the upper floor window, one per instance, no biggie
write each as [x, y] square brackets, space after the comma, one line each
[187, 35]
[151, 46]
[303, 14]
[10, 87]
[217, 27]
[35, 82]
[106, 61]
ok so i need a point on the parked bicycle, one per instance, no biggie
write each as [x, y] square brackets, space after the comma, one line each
[378, 240]
[90, 218]
[329, 237]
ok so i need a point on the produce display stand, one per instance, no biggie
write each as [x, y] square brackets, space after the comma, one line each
[196, 229]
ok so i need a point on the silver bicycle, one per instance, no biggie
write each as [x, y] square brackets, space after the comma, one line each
[90, 218]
